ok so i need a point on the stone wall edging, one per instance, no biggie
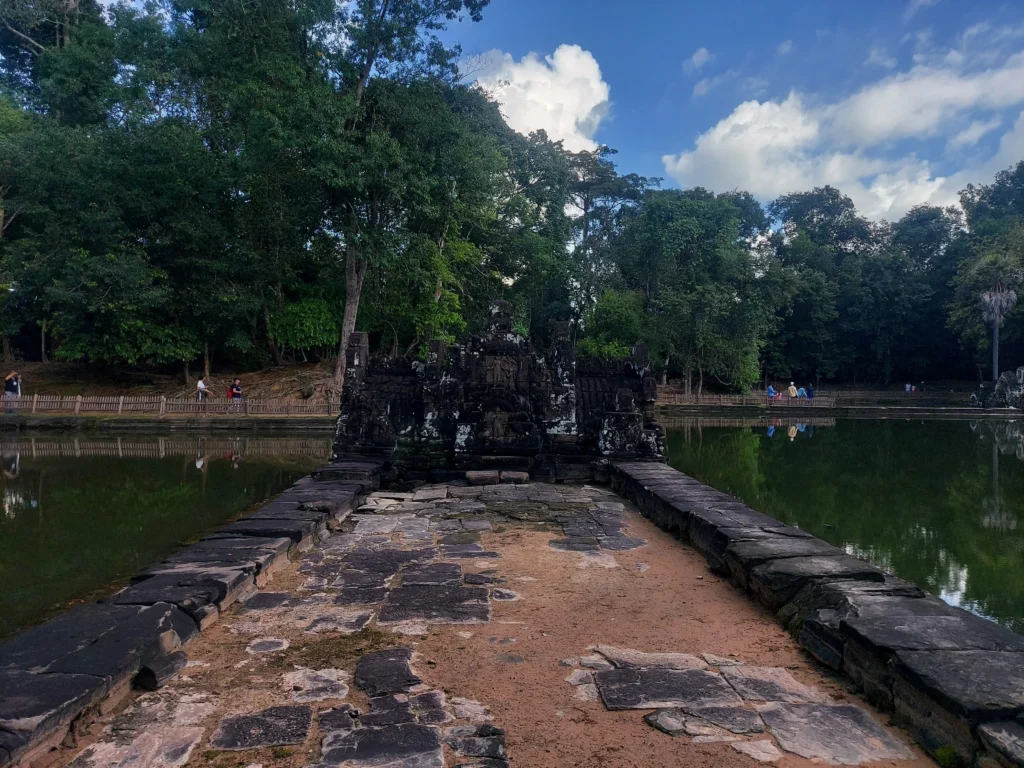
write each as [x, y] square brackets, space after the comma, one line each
[953, 679]
[56, 676]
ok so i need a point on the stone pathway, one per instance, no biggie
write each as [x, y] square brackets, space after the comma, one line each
[433, 626]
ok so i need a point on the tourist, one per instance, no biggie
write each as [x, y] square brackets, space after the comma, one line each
[791, 433]
[801, 392]
[201, 392]
[235, 394]
[12, 390]
[771, 430]
[792, 389]
[810, 391]
[921, 388]
[771, 392]
[907, 388]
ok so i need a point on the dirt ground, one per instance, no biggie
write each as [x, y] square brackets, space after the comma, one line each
[657, 598]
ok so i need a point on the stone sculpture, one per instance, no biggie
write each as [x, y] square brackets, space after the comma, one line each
[497, 403]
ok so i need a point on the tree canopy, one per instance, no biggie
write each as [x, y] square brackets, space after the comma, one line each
[249, 182]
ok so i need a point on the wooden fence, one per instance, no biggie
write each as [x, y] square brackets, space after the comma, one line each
[160, 406]
[754, 399]
[136, 448]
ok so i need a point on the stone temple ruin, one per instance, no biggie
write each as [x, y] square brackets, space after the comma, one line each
[1006, 392]
[497, 404]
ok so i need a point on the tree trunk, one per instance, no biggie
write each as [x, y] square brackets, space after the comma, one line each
[995, 350]
[42, 340]
[188, 379]
[275, 351]
[206, 359]
[355, 272]
[8, 353]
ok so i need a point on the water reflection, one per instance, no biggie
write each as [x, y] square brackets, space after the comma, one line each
[938, 503]
[80, 515]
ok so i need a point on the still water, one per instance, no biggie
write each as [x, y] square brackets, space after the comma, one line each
[79, 516]
[938, 503]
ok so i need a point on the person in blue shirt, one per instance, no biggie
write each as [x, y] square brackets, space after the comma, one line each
[810, 391]
[771, 392]
[801, 392]
[771, 430]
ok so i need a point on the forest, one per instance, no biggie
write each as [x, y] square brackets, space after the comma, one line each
[242, 183]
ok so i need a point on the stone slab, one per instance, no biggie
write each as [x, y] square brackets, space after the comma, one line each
[305, 686]
[627, 658]
[771, 684]
[408, 745]
[33, 705]
[958, 632]
[763, 751]
[735, 719]
[977, 685]
[296, 530]
[839, 734]
[777, 582]
[1005, 741]
[272, 727]
[441, 604]
[385, 672]
[663, 688]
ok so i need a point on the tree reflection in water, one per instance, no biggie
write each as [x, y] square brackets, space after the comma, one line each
[925, 500]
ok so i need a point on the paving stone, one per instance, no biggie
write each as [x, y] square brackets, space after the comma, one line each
[387, 671]
[436, 605]
[374, 524]
[620, 543]
[838, 733]
[579, 544]
[307, 685]
[505, 595]
[273, 727]
[1004, 740]
[341, 622]
[721, 661]
[387, 710]
[670, 721]
[467, 709]
[586, 692]
[478, 741]
[486, 477]
[763, 751]
[594, 662]
[408, 745]
[476, 525]
[580, 677]
[431, 494]
[343, 718]
[735, 719]
[655, 688]
[771, 684]
[361, 595]
[433, 574]
[267, 645]
[160, 748]
[481, 578]
[597, 560]
[263, 601]
[460, 551]
[484, 762]
[627, 658]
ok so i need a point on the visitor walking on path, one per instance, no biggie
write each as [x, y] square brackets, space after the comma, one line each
[201, 393]
[12, 390]
[235, 394]
[792, 389]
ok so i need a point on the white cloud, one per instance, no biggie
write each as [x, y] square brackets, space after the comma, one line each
[699, 58]
[785, 47]
[708, 84]
[563, 94]
[973, 133]
[916, 5]
[780, 146]
[878, 57]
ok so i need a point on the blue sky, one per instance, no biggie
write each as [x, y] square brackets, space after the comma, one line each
[897, 103]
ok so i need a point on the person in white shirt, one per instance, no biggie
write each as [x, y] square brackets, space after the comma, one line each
[201, 389]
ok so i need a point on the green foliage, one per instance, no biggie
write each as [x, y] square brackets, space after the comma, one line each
[306, 324]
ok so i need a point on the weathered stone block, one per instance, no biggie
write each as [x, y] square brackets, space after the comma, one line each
[777, 582]
[483, 477]
[663, 688]
[1004, 741]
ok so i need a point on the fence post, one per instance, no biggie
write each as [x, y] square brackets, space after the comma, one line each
[246, 406]
[163, 405]
[35, 401]
[78, 404]
[120, 404]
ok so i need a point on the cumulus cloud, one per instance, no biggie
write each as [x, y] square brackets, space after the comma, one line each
[563, 93]
[879, 58]
[973, 133]
[780, 146]
[696, 61]
[916, 5]
[785, 48]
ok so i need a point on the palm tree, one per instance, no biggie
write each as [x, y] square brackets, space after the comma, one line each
[995, 303]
